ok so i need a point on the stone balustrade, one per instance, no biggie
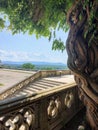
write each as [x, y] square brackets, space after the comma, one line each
[46, 110]
[49, 110]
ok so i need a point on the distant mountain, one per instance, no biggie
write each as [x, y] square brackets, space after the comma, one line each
[33, 62]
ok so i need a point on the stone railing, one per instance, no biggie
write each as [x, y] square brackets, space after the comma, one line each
[35, 76]
[46, 73]
[49, 110]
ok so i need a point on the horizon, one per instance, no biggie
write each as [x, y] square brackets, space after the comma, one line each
[41, 62]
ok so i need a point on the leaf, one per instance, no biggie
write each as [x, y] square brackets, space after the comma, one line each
[58, 45]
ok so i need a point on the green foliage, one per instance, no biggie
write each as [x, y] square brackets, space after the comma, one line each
[1, 84]
[58, 45]
[91, 25]
[42, 17]
[2, 24]
[38, 17]
[28, 66]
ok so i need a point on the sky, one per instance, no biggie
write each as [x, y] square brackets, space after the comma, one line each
[24, 47]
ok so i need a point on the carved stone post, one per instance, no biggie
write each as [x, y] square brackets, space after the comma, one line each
[82, 49]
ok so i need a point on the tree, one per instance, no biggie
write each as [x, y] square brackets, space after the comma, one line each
[44, 17]
[28, 66]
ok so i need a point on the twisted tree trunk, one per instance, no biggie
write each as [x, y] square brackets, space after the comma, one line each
[82, 49]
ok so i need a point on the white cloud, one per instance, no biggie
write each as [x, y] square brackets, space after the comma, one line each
[30, 56]
[22, 56]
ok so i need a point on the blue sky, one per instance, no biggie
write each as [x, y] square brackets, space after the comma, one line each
[24, 47]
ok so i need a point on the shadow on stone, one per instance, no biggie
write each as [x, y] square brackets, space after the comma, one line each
[78, 122]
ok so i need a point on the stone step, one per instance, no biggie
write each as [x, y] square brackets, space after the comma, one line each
[37, 86]
[50, 82]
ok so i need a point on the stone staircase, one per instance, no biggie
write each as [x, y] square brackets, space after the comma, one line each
[30, 84]
[37, 87]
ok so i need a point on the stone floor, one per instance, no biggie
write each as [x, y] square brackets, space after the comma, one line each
[9, 78]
